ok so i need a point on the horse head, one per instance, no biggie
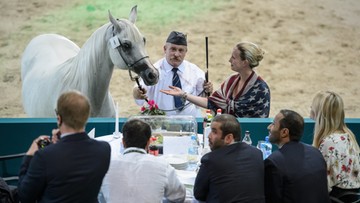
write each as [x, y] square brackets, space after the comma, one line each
[127, 42]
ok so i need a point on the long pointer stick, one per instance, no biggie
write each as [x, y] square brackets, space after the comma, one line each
[207, 63]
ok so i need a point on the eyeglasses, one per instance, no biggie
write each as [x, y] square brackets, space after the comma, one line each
[56, 112]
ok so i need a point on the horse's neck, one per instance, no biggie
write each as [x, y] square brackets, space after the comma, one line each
[92, 67]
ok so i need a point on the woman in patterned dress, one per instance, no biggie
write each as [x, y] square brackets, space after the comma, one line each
[337, 143]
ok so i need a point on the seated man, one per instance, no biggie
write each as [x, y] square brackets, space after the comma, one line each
[233, 171]
[70, 169]
[297, 171]
[138, 176]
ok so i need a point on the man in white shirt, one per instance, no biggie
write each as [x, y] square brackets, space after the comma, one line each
[192, 79]
[138, 176]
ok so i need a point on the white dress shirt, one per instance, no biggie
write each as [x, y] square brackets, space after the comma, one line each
[140, 177]
[192, 80]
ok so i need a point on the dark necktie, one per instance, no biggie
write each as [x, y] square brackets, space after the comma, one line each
[176, 82]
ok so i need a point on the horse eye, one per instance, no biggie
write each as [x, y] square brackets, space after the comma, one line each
[144, 39]
[126, 46]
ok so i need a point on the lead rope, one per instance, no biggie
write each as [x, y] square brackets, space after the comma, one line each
[139, 86]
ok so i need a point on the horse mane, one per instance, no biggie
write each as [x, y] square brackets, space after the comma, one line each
[84, 64]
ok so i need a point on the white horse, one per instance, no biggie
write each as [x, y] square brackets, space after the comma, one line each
[52, 64]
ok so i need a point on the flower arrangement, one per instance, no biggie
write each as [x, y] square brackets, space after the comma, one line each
[151, 109]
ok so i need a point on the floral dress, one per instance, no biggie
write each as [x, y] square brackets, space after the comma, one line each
[342, 160]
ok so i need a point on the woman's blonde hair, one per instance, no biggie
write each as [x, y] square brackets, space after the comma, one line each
[328, 111]
[251, 52]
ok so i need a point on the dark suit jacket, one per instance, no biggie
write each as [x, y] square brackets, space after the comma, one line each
[296, 173]
[68, 171]
[234, 173]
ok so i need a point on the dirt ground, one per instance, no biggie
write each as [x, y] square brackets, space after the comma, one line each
[310, 46]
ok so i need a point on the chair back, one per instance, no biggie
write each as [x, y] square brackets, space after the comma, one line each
[346, 197]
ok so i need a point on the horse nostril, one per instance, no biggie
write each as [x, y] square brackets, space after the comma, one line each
[151, 76]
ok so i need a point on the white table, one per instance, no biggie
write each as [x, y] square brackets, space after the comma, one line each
[115, 144]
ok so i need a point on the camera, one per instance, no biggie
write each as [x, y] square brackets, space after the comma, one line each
[43, 143]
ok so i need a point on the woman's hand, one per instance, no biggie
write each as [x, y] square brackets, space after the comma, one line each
[177, 92]
[174, 91]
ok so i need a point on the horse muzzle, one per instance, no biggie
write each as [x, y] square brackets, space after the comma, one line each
[150, 76]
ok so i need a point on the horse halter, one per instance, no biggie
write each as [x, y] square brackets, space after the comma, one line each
[117, 44]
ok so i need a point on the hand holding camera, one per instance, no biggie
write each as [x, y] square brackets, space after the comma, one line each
[43, 143]
[44, 140]
[37, 144]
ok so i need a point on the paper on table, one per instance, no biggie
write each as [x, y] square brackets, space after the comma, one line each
[176, 145]
[186, 177]
[115, 144]
[92, 133]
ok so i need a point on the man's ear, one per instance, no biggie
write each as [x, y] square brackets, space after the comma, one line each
[123, 143]
[284, 133]
[59, 120]
[229, 138]
[147, 144]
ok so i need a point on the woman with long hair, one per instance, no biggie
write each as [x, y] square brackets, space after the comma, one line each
[336, 142]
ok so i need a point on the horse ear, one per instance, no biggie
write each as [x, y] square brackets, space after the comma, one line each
[113, 21]
[133, 14]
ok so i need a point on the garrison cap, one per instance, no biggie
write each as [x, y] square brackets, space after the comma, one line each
[177, 38]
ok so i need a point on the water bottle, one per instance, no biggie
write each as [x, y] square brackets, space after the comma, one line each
[247, 138]
[207, 128]
[193, 152]
[265, 147]
[218, 112]
[208, 118]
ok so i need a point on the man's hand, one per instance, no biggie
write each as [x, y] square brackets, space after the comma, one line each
[208, 87]
[139, 93]
[34, 146]
[55, 135]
